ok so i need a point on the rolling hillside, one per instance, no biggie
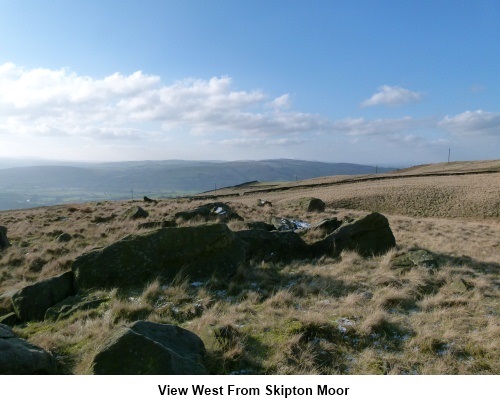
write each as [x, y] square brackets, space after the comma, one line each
[459, 189]
[31, 186]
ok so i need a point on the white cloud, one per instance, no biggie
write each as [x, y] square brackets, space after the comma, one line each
[392, 96]
[60, 102]
[472, 124]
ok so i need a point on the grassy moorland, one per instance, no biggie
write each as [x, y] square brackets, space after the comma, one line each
[345, 315]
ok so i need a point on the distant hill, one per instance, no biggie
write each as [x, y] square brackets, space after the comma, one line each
[31, 186]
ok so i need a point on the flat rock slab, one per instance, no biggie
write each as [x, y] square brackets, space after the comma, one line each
[416, 258]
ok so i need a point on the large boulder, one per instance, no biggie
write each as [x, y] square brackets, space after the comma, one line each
[210, 212]
[17, 356]
[31, 302]
[368, 235]
[136, 212]
[200, 251]
[4, 242]
[151, 348]
[313, 205]
[273, 246]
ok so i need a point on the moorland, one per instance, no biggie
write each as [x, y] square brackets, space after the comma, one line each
[429, 304]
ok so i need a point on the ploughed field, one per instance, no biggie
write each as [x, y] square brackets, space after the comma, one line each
[284, 305]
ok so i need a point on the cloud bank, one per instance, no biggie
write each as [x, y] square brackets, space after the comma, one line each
[60, 102]
[59, 112]
[473, 124]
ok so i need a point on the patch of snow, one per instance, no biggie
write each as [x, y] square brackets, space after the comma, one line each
[196, 284]
[300, 224]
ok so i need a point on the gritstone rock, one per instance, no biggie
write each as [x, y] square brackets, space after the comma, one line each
[153, 349]
[210, 212]
[136, 213]
[17, 356]
[31, 302]
[368, 235]
[313, 205]
[200, 251]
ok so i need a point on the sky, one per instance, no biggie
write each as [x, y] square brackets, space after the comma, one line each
[389, 82]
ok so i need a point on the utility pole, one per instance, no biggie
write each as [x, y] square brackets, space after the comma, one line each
[215, 190]
[449, 152]
[376, 169]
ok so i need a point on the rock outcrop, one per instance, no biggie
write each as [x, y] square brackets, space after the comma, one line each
[368, 235]
[18, 356]
[200, 251]
[210, 212]
[153, 349]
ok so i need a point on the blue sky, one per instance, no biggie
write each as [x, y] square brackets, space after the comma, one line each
[381, 82]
